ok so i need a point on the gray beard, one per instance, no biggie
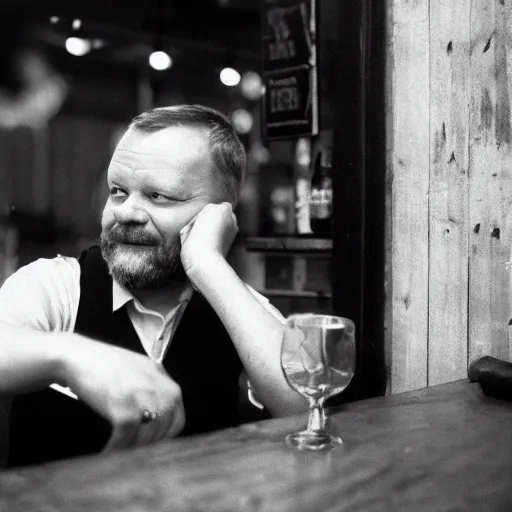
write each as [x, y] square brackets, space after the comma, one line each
[151, 267]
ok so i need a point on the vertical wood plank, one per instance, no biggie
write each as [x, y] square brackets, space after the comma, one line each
[490, 179]
[448, 197]
[409, 160]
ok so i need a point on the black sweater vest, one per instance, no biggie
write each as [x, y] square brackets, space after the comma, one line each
[201, 359]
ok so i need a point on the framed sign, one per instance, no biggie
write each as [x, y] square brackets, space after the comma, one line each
[289, 69]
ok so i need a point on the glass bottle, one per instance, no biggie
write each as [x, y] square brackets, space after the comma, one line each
[320, 199]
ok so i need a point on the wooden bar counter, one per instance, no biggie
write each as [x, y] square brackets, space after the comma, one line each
[444, 448]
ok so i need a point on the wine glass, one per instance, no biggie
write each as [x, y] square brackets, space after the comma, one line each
[318, 359]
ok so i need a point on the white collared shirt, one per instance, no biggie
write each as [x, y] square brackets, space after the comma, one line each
[153, 329]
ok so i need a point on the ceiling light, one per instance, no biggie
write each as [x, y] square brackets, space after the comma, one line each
[229, 77]
[160, 60]
[78, 46]
[76, 24]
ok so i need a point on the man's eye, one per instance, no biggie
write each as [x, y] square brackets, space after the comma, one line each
[116, 192]
[159, 197]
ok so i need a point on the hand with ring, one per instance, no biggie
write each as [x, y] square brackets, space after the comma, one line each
[148, 416]
[135, 394]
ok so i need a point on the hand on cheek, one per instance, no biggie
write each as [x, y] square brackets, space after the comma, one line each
[208, 236]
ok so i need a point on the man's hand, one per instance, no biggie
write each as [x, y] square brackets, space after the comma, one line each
[119, 385]
[207, 237]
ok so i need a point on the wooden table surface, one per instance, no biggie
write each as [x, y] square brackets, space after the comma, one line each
[444, 448]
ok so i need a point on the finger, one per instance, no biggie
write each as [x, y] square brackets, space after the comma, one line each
[148, 432]
[123, 434]
[185, 230]
[164, 426]
[178, 421]
[231, 212]
[175, 417]
[175, 426]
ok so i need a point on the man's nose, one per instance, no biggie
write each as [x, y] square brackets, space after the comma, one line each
[131, 210]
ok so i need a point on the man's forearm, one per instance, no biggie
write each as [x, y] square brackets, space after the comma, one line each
[256, 334]
[29, 359]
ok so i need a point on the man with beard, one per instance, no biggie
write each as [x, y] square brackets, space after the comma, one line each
[159, 285]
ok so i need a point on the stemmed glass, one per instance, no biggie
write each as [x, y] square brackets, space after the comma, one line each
[318, 359]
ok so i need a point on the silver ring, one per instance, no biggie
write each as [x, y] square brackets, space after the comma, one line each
[148, 416]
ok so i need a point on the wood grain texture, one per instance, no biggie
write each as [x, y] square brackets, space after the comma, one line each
[443, 448]
[490, 179]
[464, 99]
[409, 144]
[448, 193]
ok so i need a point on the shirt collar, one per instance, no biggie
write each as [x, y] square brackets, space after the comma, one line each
[121, 295]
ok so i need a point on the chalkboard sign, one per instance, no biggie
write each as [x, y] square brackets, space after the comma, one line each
[289, 68]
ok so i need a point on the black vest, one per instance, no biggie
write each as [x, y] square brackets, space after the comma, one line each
[201, 359]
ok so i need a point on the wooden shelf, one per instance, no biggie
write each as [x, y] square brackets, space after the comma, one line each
[289, 244]
[301, 294]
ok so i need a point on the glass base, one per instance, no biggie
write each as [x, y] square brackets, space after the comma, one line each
[313, 441]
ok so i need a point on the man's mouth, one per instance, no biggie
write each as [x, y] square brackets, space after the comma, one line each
[136, 243]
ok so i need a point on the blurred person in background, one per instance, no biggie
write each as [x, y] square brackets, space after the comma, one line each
[151, 329]
[31, 90]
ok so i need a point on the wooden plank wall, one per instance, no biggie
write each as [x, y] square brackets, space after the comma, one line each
[409, 167]
[449, 172]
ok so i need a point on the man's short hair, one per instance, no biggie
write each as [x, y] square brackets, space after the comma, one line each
[227, 151]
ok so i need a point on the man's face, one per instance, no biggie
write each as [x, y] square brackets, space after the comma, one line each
[158, 182]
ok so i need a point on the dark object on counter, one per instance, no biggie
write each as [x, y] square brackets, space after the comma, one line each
[494, 376]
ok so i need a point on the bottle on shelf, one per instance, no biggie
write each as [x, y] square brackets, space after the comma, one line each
[320, 198]
[302, 186]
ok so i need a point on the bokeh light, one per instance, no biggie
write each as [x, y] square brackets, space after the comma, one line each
[160, 60]
[230, 77]
[303, 152]
[242, 120]
[251, 85]
[78, 46]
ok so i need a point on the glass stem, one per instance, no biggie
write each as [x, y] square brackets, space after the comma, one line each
[317, 418]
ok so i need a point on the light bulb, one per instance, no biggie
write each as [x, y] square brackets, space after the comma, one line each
[77, 46]
[160, 60]
[229, 77]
